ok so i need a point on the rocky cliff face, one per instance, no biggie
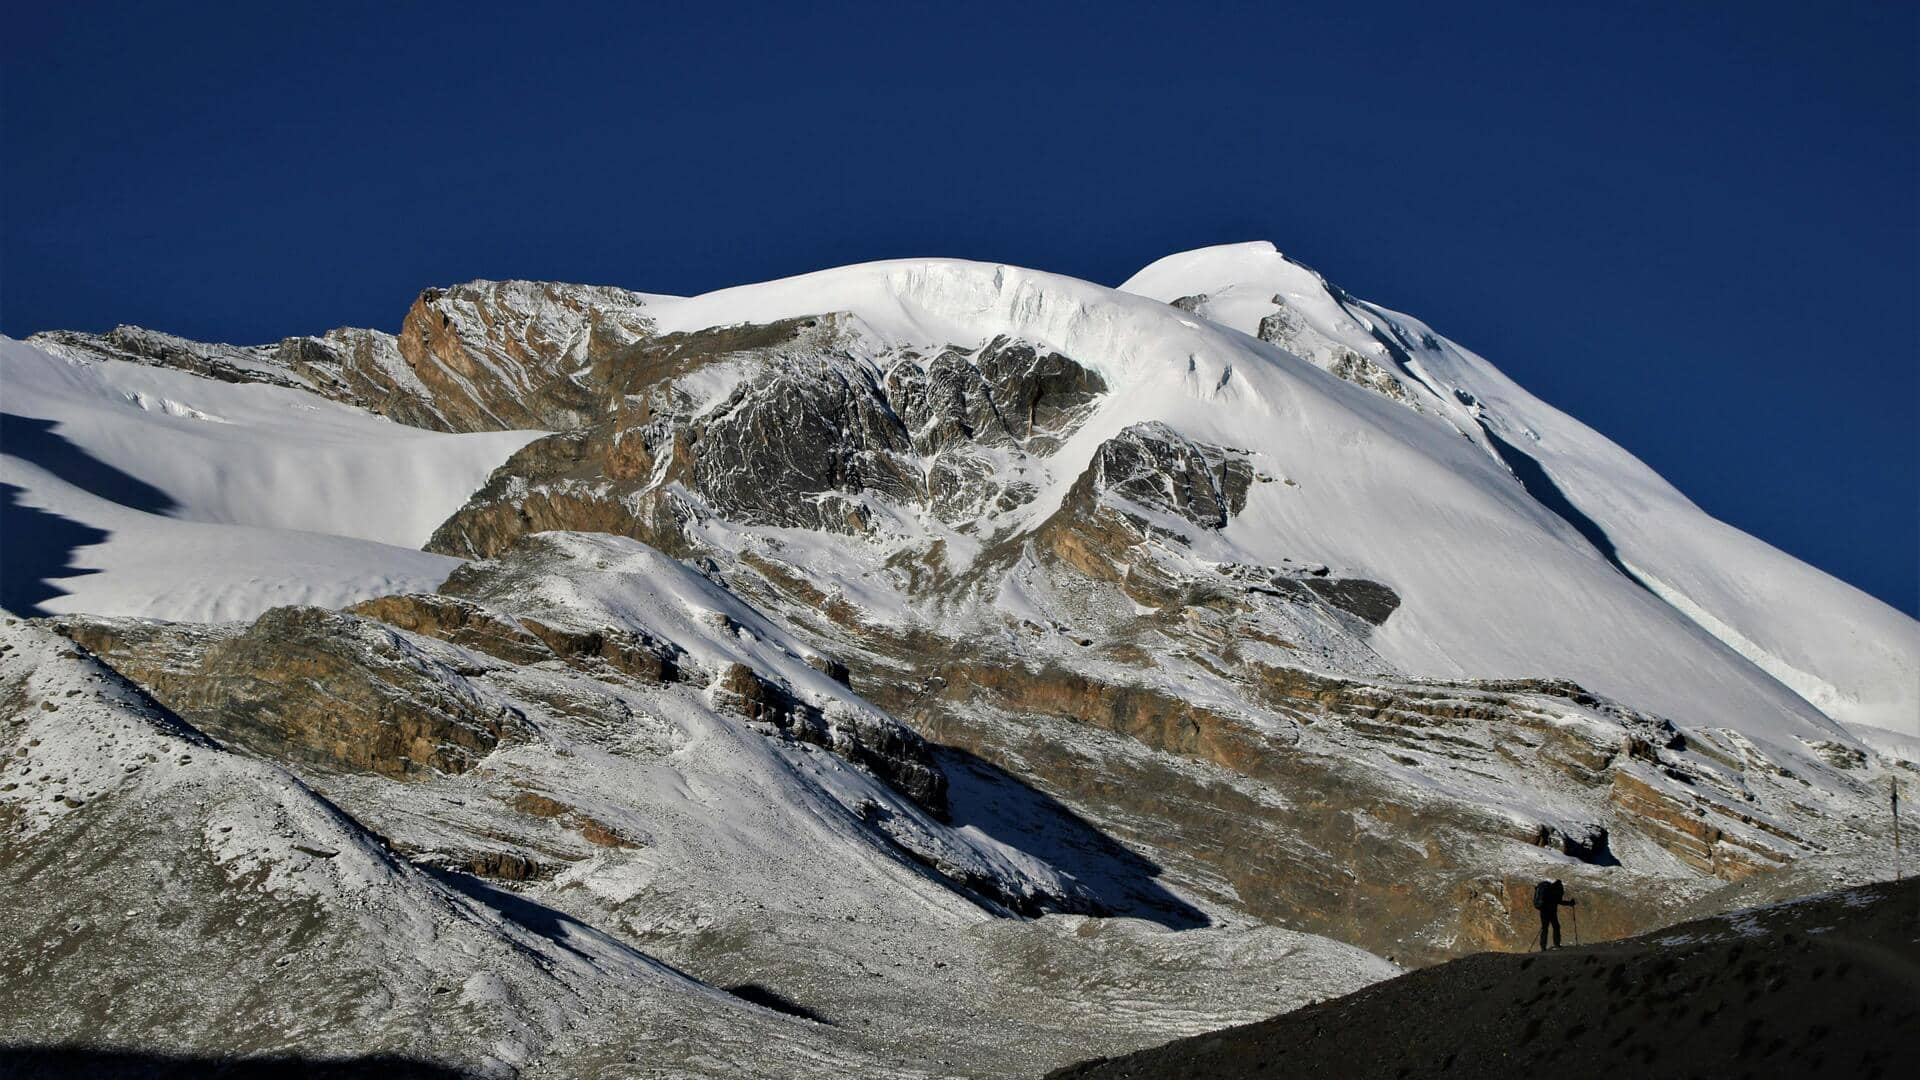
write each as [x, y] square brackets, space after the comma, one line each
[517, 354]
[807, 434]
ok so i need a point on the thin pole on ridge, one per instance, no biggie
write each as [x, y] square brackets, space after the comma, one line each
[1894, 798]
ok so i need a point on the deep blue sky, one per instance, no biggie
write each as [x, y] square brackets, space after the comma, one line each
[1693, 227]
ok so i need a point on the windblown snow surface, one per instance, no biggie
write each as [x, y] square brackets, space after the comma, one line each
[159, 493]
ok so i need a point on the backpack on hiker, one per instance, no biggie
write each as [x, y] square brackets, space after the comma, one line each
[1542, 895]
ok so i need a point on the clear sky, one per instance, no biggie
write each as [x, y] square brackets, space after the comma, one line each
[1692, 226]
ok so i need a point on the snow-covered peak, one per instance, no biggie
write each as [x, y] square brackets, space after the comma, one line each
[1496, 582]
[1849, 655]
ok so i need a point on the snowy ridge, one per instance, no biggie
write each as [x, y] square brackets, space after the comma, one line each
[588, 582]
[1849, 655]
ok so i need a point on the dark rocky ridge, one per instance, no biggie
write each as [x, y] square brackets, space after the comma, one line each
[1826, 986]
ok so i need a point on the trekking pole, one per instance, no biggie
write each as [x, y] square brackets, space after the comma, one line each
[1896, 826]
[1576, 925]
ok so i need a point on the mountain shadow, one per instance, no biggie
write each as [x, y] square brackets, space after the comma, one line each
[1538, 483]
[37, 546]
[98, 1063]
[997, 803]
[35, 442]
[36, 549]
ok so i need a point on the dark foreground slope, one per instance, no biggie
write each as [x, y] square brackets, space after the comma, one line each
[1826, 986]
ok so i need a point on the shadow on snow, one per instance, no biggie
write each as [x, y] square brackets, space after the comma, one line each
[37, 546]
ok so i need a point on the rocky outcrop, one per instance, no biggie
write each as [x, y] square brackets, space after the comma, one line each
[802, 435]
[526, 640]
[1360, 371]
[310, 685]
[461, 622]
[483, 356]
[1002, 394]
[639, 655]
[512, 354]
[1129, 520]
[890, 751]
[137, 345]
[1157, 469]
[1290, 330]
[1713, 838]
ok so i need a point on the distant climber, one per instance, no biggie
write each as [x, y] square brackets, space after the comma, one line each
[1548, 898]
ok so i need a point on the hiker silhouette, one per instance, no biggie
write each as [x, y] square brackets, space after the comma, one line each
[1548, 898]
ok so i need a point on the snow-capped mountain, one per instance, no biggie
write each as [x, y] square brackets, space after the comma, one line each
[926, 646]
[1849, 655]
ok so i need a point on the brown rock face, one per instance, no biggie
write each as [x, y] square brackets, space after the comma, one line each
[461, 622]
[626, 652]
[504, 354]
[594, 832]
[1316, 826]
[483, 356]
[524, 640]
[1698, 829]
[505, 866]
[311, 685]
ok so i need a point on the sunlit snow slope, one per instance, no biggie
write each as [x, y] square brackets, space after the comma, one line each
[138, 490]
[1851, 656]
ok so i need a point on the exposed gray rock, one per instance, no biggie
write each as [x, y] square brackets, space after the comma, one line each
[1158, 469]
